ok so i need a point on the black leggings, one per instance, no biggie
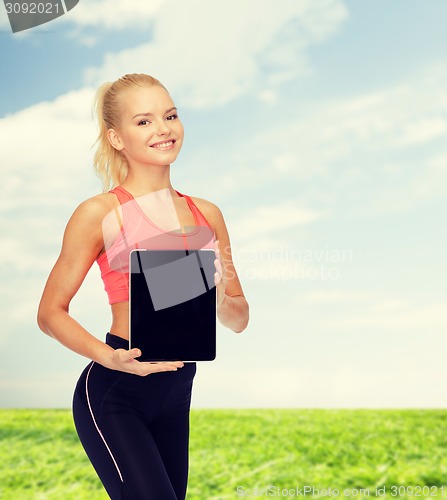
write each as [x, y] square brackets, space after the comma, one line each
[135, 429]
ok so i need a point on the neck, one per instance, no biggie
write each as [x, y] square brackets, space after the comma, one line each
[147, 179]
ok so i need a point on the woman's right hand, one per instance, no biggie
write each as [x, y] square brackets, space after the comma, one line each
[124, 360]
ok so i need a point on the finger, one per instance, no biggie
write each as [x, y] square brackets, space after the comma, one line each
[219, 267]
[128, 355]
[159, 367]
[174, 364]
[134, 353]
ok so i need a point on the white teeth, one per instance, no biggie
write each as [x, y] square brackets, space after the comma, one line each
[164, 145]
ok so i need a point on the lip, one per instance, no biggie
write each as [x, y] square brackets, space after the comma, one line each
[163, 142]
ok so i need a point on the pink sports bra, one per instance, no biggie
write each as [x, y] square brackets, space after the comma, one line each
[138, 231]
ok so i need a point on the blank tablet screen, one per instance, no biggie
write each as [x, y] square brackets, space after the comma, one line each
[172, 304]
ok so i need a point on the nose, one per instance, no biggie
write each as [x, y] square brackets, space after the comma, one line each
[162, 128]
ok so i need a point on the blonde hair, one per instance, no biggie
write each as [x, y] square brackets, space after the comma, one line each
[109, 164]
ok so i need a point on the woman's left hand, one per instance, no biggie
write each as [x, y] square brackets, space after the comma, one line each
[220, 279]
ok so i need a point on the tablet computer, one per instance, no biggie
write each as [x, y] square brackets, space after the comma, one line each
[172, 304]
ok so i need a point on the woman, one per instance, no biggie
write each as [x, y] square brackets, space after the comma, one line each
[132, 417]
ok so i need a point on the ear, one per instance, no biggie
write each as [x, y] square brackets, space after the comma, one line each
[115, 139]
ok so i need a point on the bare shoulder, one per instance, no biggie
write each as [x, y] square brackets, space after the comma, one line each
[209, 209]
[96, 207]
[214, 216]
[88, 219]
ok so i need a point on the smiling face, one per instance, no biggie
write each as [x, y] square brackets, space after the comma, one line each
[150, 132]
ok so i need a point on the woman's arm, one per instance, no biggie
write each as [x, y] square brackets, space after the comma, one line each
[81, 244]
[233, 312]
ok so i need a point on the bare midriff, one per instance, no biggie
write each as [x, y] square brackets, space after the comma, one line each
[120, 319]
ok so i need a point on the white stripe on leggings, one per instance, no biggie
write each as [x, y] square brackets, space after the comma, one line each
[94, 421]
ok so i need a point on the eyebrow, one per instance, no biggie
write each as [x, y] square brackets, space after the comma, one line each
[150, 114]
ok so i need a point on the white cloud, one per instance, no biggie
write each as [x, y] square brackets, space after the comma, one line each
[4, 21]
[372, 308]
[438, 162]
[42, 390]
[430, 317]
[54, 140]
[263, 219]
[423, 130]
[380, 151]
[344, 311]
[334, 296]
[114, 14]
[310, 384]
[101, 14]
[225, 47]
[385, 120]
[268, 96]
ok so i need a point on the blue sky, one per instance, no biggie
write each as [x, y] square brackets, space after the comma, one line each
[317, 126]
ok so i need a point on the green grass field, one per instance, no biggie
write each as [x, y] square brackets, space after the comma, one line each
[260, 451]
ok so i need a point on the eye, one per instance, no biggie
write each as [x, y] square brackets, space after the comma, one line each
[173, 117]
[143, 122]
